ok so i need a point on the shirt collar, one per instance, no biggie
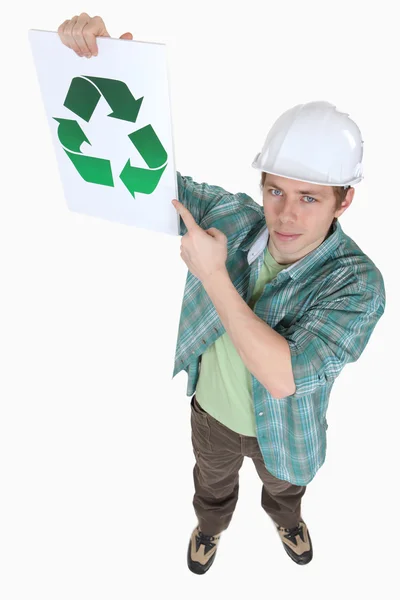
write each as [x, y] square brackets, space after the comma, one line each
[257, 244]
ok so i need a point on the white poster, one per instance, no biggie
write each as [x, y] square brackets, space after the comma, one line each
[111, 124]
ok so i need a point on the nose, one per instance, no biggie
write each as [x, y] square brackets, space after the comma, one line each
[287, 211]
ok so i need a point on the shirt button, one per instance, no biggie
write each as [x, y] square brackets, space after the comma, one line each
[260, 414]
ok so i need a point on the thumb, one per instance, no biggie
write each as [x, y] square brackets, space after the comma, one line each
[126, 36]
[215, 232]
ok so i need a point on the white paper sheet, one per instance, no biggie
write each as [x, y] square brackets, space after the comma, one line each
[120, 167]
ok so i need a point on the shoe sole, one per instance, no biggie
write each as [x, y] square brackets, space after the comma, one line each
[298, 561]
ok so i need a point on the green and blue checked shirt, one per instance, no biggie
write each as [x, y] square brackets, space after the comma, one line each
[326, 305]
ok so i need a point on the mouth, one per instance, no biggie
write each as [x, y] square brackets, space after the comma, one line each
[287, 236]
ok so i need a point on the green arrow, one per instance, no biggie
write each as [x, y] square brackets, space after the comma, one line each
[149, 146]
[83, 96]
[119, 97]
[153, 153]
[70, 134]
[136, 179]
[92, 169]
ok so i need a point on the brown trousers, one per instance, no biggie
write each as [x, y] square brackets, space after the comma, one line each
[219, 454]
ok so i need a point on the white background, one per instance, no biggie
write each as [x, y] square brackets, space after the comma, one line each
[96, 459]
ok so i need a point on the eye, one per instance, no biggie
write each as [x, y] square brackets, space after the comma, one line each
[274, 190]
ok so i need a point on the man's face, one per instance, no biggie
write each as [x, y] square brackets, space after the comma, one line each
[292, 206]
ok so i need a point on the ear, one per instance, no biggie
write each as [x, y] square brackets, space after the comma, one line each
[346, 202]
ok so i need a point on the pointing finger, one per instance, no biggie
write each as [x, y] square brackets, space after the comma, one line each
[186, 215]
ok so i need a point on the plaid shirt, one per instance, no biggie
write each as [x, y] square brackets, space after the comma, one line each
[326, 305]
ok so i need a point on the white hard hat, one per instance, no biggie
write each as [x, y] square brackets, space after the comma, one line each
[313, 142]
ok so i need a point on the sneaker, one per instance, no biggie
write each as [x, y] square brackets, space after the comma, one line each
[201, 551]
[297, 542]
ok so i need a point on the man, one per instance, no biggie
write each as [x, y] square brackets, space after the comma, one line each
[278, 299]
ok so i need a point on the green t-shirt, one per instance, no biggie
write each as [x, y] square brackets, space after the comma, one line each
[224, 387]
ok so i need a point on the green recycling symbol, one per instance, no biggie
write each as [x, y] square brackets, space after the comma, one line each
[82, 97]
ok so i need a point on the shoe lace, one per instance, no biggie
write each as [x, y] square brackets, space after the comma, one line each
[204, 539]
[293, 531]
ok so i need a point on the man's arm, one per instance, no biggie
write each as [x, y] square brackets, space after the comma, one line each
[202, 198]
[306, 355]
[198, 198]
[265, 352]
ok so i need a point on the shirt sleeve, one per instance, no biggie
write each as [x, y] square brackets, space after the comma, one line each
[213, 206]
[198, 198]
[328, 336]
